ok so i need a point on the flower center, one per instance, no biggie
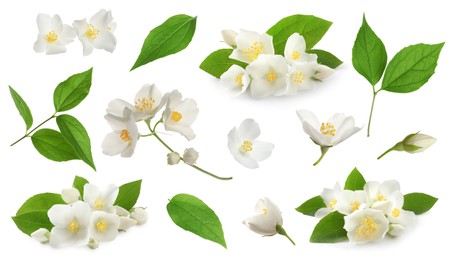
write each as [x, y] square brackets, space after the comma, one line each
[176, 116]
[101, 225]
[381, 198]
[396, 212]
[125, 136]
[73, 226]
[92, 32]
[298, 77]
[99, 204]
[252, 52]
[355, 206]
[271, 76]
[144, 104]
[265, 212]
[367, 228]
[239, 80]
[328, 129]
[295, 55]
[51, 37]
[246, 146]
[332, 204]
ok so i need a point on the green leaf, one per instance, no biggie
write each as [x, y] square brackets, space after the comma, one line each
[170, 37]
[369, 56]
[330, 229]
[52, 145]
[79, 184]
[128, 195]
[310, 27]
[219, 62]
[192, 214]
[355, 181]
[76, 135]
[69, 93]
[326, 58]
[32, 221]
[40, 202]
[419, 203]
[311, 206]
[22, 106]
[411, 68]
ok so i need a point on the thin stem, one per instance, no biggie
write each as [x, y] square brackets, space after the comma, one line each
[282, 232]
[382, 155]
[209, 173]
[324, 150]
[371, 112]
[163, 143]
[32, 130]
[397, 147]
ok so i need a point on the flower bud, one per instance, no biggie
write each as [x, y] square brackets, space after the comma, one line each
[126, 223]
[190, 156]
[140, 215]
[419, 142]
[173, 158]
[70, 195]
[93, 244]
[121, 212]
[41, 235]
[229, 37]
[395, 230]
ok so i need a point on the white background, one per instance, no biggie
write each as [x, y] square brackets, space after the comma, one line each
[287, 177]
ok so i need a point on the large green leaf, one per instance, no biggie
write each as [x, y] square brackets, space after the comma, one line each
[128, 195]
[330, 229]
[326, 58]
[40, 202]
[192, 214]
[53, 146]
[32, 221]
[79, 184]
[219, 62]
[76, 135]
[355, 181]
[419, 203]
[411, 68]
[311, 206]
[69, 93]
[170, 37]
[22, 107]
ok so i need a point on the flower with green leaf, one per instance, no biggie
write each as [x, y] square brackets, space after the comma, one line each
[413, 143]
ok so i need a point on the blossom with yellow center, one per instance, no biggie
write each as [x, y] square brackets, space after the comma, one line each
[148, 101]
[327, 129]
[250, 45]
[236, 79]
[295, 50]
[180, 114]
[246, 146]
[351, 201]
[53, 35]
[104, 226]
[331, 199]
[101, 200]
[366, 225]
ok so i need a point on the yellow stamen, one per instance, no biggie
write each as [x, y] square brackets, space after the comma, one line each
[254, 51]
[101, 225]
[332, 204]
[73, 226]
[144, 104]
[239, 80]
[328, 129]
[125, 136]
[271, 76]
[396, 212]
[295, 55]
[298, 77]
[92, 32]
[381, 198]
[246, 146]
[265, 212]
[99, 204]
[355, 206]
[51, 37]
[176, 116]
[367, 228]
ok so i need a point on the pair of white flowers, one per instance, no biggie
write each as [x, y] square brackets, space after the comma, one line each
[96, 33]
[269, 74]
[89, 221]
[370, 213]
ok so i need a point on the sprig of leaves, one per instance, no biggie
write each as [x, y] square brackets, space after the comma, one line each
[72, 141]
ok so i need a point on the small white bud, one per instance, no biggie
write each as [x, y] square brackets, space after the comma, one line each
[41, 235]
[70, 196]
[140, 215]
[93, 244]
[173, 158]
[121, 212]
[229, 37]
[190, 156]
[396, 230]
[419, 140]
[126, 223]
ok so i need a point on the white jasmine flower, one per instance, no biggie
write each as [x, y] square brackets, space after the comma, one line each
[41, 235]
[351, 201]
[97, 33]
[173, 158]
[300, 76]
[104, 226]
[121, 212]
[93, 244]
[396, 214]
[126, 223]
[140, 215]
[366, 225]
[70, 224]
[330, 198]
[70, 196]
[53, 34]
[190, 156]
[268, 73]
[250, 45]
[267, 217]
[379, 194]
[295, 50]
[148, 102]
[236, 79]
[180, 114]
[244, 146]
[101, 200]
[229, 37]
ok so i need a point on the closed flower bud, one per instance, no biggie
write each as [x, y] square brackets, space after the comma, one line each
[190, 156]
[126, 223]
[70, 195]
[420, 141]
[173, 158]
[121, 212]
[396, 230]
[140, 215]
[41, 235]
[229, 37]
[93, 244]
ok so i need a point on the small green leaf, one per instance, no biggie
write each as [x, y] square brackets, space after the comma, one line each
[219, 62]
[128, 195]
[79, 184]
[355, 181]
[192, 214]
[22, 107]
[40, 202]
[76, 135]
[32, 221]
[170, 37]
[69, 93]
[369, 56]
[411, 68]
[330, 229]
[311, 206]
[310, 27]
[326, 58]
[52, 145]
[419, 203]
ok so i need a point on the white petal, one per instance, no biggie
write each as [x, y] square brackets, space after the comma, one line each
[246, 160]
[55, 49]
[40, 45]
[126, 223]
[56, 24]
[309, 117]
[44, 23]
[87, 46]
[337, 120]
[70, 195]
[260, 88]
[121, 212]
[61, 237]
[113, 144]
[260, 225]
[104, 226]
[384, 206]
[249, 130]
[100, 19]
[41, 235]
[90, 193]
[389, 187]
[183, 130]
[261, 150]
[82, 212]
[109, 195]
[105, 40]
[80, 27]
[372, 189]
[322, 212]
[229, 37]
[60, 215]
[68, 34]
[120, 108]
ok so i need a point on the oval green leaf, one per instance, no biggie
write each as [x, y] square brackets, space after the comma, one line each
[76, 135]
[170, 37]
[69, 93]
[330, 229]
[192, 214]
[32, 221]
[311, 206]
[309, 26]
[419, 203]
[128, 195]
[40, 202]
[355, 181]
[219, 62]
[53, 146]
[22, 107]
[411, 68]
[326, 58]
[79, 184]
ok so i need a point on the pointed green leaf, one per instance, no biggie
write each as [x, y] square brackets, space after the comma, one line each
[192, 214]
[219, 62]
[369, 56]
[411, 68]
[330, 229]
[52, 145]
[22, 107]
[76, 135]
[355, 181]
[32, 221]
[40, 202]
[170, 37]
[311, 206]
[69, 93]
[79, 184]
[128, 195]
[326, 58]
[419, 203]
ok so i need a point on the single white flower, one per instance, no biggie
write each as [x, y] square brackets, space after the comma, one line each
[121, 212]
[180, 114]
[295, 50]
[396, 214]
[379, 193]
[104, 226]
[413, 143]
[322, 72]
[245, 148]
[330, 198]
[140, 215]
[126, 223]
[351, 201]
[41, 235]
[93, 244]
[97, 33]
[53, 34]
[101, 200]
[148, 102]
[70, 195]
[250, 45]
[190, 156]
[330, 133]
[70, 224]
[173, 158]
[267, 217]
[300, 76]
[268, 73]
[395, 230]
[236, 79]
[366, 225]
[229, 37]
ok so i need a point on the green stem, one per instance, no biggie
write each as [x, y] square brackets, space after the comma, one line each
[282, 232]
[371, 112]
[32, 130]
[396, 147]
[324, 150]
